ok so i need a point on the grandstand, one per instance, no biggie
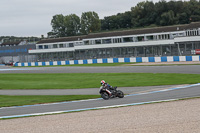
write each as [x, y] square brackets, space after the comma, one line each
[175, 40]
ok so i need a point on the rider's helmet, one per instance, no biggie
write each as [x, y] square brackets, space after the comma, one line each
[103, 82]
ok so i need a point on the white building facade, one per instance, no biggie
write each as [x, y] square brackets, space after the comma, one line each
[180, 40]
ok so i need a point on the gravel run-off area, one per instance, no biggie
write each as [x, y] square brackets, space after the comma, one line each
[167, 117]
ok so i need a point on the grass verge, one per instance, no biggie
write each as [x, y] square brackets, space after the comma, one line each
[164, 64]
[92, 80]
[7, 101]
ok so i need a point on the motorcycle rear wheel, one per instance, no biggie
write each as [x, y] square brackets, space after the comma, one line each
[105, 96]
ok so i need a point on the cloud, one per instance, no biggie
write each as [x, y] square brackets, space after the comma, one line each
[33, 17]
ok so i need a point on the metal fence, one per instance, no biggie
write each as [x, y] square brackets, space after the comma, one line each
[178, 49]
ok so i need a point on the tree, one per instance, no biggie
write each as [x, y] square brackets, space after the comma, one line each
[168, 18]
[137, 14]
[183, 18]
[58, 27]
[124, 20]
[104, 23]
[72, 24]
[194, 7]
[143, 14]
[160, 8]
[90, 22]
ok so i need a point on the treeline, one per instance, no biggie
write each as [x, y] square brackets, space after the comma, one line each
[16, 39]
[144, 14]
[72, 25]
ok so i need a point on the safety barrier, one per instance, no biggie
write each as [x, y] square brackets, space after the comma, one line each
[113, 60]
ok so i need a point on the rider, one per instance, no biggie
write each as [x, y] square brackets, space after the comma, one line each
[106, 86]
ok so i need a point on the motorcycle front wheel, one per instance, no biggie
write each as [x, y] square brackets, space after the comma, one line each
[120, 94]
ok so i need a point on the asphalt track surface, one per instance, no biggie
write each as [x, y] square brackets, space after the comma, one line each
[190, 69]
[134, 99]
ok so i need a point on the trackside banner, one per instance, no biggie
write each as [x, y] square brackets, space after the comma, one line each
[197, 51]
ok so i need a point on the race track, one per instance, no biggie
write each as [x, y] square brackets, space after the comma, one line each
[134, 99]
[190, 69]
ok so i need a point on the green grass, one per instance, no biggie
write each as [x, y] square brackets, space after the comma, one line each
[166, 64]
[92, 80]
[6, 101]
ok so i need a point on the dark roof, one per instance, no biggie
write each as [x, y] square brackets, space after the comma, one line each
[11, 43]
[125, 32]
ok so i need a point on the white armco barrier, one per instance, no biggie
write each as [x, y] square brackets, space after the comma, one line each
[113, 60]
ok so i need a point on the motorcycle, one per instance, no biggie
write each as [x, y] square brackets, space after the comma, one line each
[114, 93]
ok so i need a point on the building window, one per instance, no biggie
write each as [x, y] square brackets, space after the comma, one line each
[117, 40]
[61, 45]
[86, 42]
[45, 46]
[163, 36]
[71, 45]
[140, 38]
[40, 47]
[180, 34]
[91, 42]
[55, 46]
[168, 36]
[149, 38]
[97, 41]
[106, 41]
[128, 39]
[78, 43]
[175, 35]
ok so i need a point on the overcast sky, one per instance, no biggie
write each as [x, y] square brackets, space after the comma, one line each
[33, 17]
